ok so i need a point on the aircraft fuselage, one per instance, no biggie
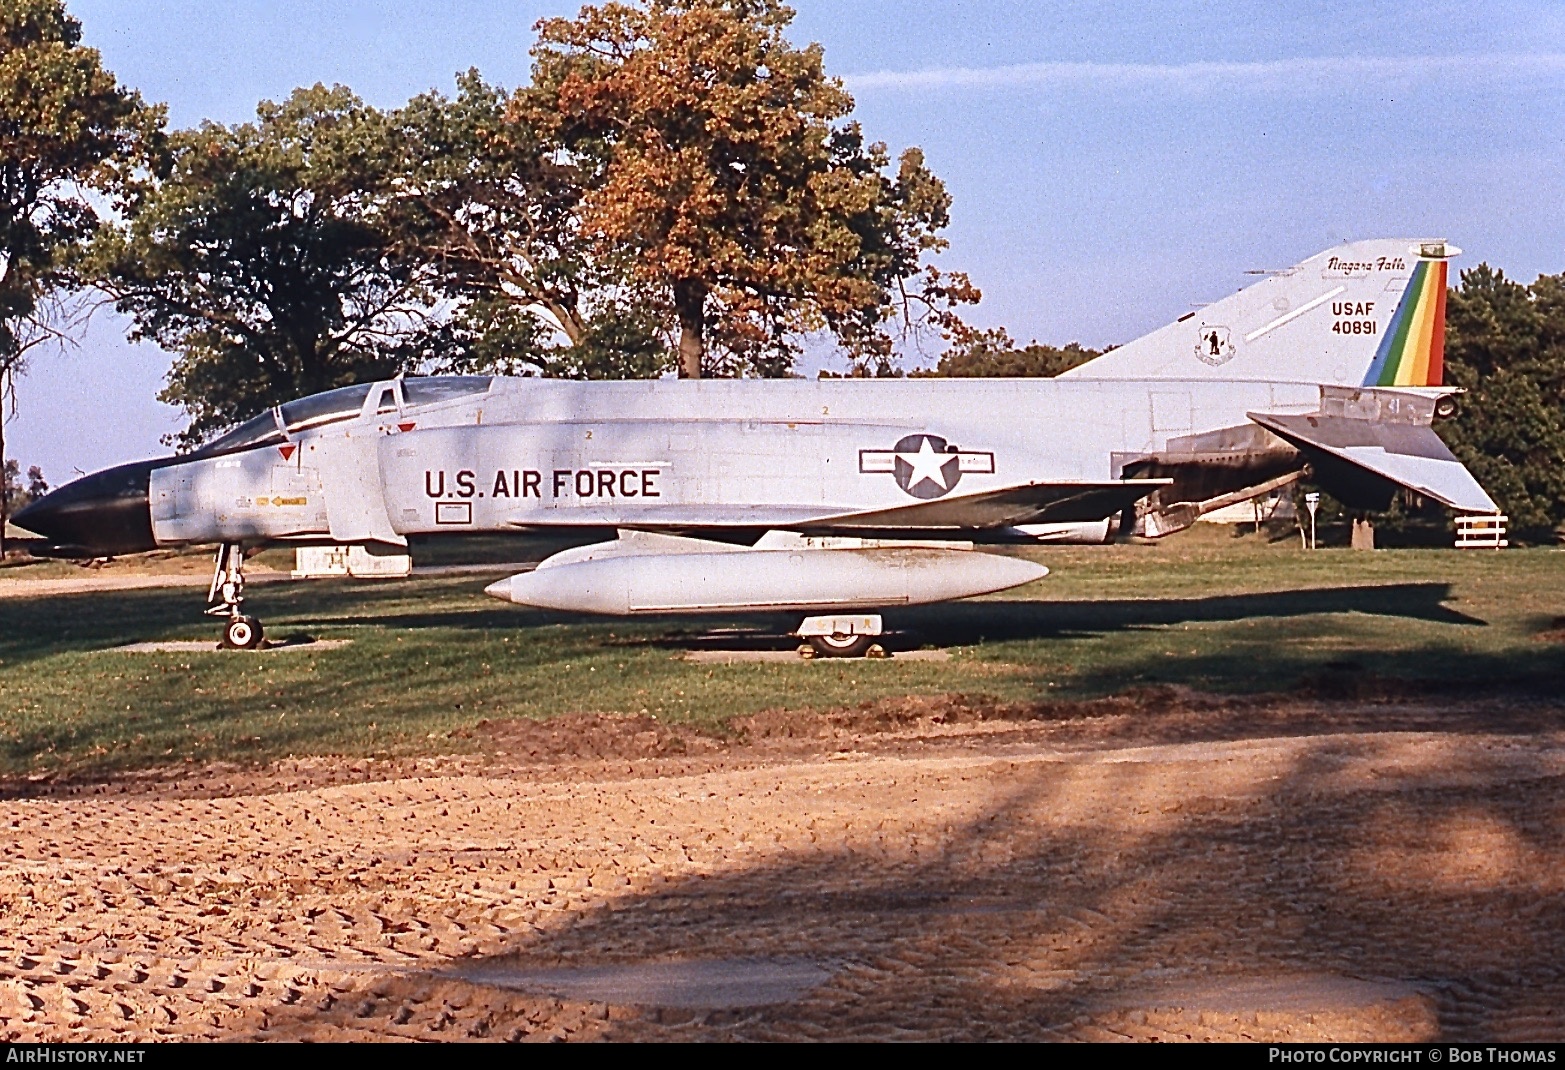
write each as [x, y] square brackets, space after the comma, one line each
[533, 453]
[1333, 366]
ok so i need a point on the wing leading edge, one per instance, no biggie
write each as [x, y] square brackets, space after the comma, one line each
[1062, 502]
[1025, 503]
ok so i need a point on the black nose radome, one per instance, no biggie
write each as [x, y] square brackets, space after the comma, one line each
[104, 514]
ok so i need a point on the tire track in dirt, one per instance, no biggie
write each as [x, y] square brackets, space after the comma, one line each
[1330, 872]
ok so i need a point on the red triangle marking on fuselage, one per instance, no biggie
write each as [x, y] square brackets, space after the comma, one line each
[287, 451]
[410, 425]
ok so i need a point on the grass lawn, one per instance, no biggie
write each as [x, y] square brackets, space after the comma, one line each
[431, 655]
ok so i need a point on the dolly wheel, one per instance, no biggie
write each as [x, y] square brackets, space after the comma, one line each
[242, 633]
[841, 646]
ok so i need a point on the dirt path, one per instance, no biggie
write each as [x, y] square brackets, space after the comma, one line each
[14, 588]
[1158, 868]
[200, 575]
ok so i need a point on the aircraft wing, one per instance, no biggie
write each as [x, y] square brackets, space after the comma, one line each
[1408, 455]
[681, 517]
[1025, 503]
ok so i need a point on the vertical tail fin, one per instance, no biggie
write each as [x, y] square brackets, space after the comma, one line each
[1412, 351]
[1370, 313]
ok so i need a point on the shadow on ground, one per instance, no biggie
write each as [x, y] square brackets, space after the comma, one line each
[1298, 895]
[1232, 915]
[31, 627]
[968, 622]
[965, 623]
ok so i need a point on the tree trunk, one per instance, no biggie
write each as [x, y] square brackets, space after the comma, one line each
[1363, 533]
[569, 320]
[690, 304]
[5, 484]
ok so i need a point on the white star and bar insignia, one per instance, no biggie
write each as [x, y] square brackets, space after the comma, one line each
[926, 466]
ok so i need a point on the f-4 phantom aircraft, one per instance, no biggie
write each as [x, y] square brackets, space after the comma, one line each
[834, 499]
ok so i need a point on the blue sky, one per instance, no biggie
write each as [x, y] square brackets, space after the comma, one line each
[1112, 164]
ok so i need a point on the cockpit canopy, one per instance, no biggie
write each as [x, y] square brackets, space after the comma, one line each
[422, 390]
[276, 424]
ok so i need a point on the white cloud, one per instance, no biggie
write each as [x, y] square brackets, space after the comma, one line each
[1309, 73]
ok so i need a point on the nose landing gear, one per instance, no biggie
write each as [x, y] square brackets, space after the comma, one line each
[843, 636]
[839, 645]
[227, 595]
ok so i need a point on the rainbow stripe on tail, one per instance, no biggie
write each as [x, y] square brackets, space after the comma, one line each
[1412, 353]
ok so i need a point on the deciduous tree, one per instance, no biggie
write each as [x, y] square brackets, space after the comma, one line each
[715, 156]
[992, 354]
[488, 198]
[16, 493]
[262, 256]
[67, 130]
[1505, 345]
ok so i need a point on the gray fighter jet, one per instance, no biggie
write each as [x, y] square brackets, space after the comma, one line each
[831, 499]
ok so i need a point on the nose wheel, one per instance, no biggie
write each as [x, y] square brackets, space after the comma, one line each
[226, 598]
[241, 633]
[841, 646]
[843, 635]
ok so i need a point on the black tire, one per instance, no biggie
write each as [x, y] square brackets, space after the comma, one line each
[242, 633]
[841, 646]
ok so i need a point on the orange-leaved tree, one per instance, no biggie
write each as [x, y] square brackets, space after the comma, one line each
[715, 157]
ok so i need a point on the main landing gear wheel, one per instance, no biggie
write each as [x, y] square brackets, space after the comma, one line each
[242, 633]
[841, 646]
[227, 596]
